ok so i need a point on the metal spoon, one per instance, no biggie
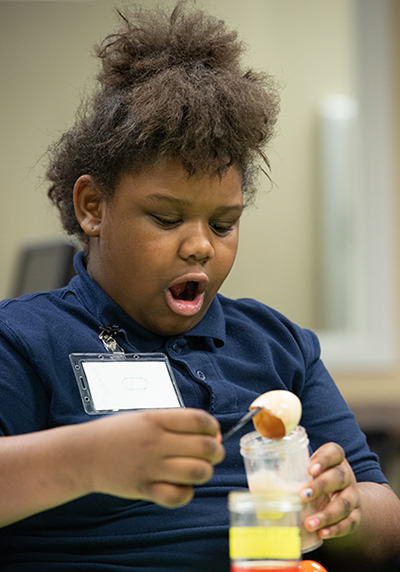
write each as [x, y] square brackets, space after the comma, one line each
[245, 419]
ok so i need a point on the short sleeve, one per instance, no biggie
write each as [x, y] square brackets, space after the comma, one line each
[328, 418]
[24, 401]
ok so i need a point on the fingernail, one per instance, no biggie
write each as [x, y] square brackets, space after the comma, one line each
[313, 523]
[315, 469]
[306, 493]
[325, 531]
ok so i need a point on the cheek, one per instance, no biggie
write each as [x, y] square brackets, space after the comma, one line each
[231, 249]
[134, 247]
[226, 259]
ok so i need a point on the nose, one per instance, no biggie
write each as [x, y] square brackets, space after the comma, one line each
[197, 243]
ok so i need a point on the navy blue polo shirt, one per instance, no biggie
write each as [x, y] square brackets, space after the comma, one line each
[239, 350]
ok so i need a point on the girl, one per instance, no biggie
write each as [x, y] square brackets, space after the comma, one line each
[153, 179]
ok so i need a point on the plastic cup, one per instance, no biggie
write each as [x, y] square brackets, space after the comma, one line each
[276, 467]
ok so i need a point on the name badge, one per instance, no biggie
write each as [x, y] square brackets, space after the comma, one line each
[125, 382]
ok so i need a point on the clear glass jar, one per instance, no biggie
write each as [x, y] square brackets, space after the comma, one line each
[264, 532]
[276, 466]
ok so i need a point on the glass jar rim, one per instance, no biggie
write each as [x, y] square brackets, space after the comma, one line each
[254, 444]
[284, 501]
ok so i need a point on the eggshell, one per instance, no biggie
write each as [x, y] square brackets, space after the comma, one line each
[280, 414]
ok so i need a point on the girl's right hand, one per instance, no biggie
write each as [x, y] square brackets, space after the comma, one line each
[152, 455]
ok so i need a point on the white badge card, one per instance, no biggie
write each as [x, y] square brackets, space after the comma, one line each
[129, 382]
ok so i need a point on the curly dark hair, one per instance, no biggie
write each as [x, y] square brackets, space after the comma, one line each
[171, 86]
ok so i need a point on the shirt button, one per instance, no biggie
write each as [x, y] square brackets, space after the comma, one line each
[176, 347]
[200, 374]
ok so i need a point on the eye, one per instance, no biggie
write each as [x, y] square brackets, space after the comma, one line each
[221, 229]
[166, 222]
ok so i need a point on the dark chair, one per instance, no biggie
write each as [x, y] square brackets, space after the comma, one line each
[44, 266]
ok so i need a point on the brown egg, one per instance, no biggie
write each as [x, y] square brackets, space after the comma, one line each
[280, 414]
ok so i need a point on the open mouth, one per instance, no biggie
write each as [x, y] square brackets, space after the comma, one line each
[185, 291]
[186, 298]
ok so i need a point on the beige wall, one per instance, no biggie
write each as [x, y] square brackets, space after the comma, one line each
[383, 388]
[45, 61]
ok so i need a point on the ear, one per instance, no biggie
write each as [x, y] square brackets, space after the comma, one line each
[88, 203]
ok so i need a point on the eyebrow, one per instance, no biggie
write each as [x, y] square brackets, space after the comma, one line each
[158, 197]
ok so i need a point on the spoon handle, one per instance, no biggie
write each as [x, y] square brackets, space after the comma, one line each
[245, 419]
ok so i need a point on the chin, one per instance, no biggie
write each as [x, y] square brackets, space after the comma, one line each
[176, 327]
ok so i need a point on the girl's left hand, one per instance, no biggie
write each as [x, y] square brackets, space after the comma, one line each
[335, 487]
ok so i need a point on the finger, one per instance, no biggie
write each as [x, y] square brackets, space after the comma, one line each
[326, 456]
[340, 506]
[169, 495]
[334, 479]
[185, 471]
[343, 527]
[194, 446]
[189, 421]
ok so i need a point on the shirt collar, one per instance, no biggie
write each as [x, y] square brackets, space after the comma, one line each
[106, 312]
[212, 325]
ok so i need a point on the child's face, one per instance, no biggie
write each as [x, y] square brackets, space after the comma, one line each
[166, 244]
